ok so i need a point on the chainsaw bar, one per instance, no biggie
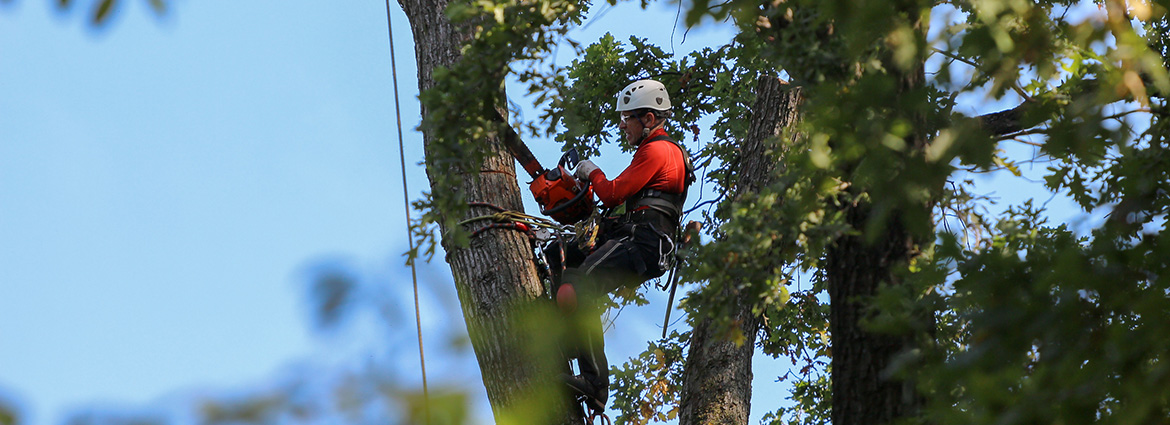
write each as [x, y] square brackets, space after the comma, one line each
[519, 150]
[560, 195]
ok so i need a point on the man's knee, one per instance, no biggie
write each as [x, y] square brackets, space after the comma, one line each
[567, 298]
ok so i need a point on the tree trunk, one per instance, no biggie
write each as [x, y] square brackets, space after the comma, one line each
[717, 382]
[863, 386]
[862, 391]
[495, 276]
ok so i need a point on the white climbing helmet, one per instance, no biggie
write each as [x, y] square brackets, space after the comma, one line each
[643, 94]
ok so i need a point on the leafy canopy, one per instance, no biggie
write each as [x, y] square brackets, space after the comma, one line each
[1033, 320]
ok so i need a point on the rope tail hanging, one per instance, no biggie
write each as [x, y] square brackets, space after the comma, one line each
[406, 204]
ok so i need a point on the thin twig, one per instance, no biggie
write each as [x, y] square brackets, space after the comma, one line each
[1027, 132]
[1122, 114]
[1015, 85]
[697, 206]
[954, 56]
[1027, 142]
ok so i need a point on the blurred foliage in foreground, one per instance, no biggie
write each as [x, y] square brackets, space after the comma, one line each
[99, 12]
[366, 370]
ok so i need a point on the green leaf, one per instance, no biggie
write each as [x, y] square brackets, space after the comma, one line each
[159, 6]
[102, 12]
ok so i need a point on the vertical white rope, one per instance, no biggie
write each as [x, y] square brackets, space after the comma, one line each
[406, 204]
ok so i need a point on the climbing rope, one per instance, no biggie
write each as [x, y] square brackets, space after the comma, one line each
[406, 203]
[502, 215]
[538, 229]
[515, 220]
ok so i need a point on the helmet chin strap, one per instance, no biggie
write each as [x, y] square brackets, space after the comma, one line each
[645, 131]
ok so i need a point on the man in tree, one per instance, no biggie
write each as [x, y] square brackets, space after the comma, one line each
[639, 243]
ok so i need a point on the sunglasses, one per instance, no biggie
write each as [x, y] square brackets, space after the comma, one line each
[624, 117]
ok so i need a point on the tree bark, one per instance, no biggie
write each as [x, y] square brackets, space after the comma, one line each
[863, 392]
[864, 389]
[495, 276]
[1006, 121]
[1015, 120]
[718, 372]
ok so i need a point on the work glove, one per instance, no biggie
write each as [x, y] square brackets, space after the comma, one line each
[584, 169]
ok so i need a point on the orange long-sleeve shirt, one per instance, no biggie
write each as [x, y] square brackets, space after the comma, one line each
[656, 165]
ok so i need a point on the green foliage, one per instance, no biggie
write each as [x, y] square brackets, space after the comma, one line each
[1128, 176]
[784, 333]
[761, 233]
[9, 415]
[647, 385]
[1030, 321]
[100, 10]
[445, 407]
[1060, 328]
[587, 110]
[699, 84]
[800, 332]
[860, 126]
[811, 406]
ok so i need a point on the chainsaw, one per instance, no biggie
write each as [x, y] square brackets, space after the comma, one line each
[558, 193]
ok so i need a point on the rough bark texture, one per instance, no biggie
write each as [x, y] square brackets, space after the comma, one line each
[495, 276]
[717, 382]
[1005, 122]
[864, 392]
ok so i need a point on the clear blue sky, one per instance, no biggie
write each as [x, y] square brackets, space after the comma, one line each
[165, 184]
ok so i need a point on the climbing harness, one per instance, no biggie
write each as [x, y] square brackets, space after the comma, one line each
[587, 230]
[670, 204]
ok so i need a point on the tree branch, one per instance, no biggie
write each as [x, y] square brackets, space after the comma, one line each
[1011, 120]
[1007, 121]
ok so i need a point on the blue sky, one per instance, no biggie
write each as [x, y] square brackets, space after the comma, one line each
[167, 184]
[164, 182]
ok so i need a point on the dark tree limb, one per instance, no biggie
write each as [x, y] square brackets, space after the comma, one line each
[1007, 121]
[1015, 120]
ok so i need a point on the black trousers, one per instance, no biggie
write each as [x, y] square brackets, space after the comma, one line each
[629, 254]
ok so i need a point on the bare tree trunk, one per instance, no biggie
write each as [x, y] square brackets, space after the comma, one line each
[717, 382]
[495, 276]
